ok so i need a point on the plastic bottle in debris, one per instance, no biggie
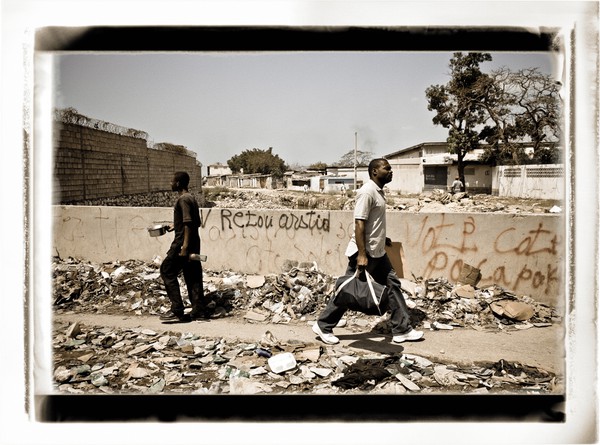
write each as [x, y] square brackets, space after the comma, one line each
[197, 257]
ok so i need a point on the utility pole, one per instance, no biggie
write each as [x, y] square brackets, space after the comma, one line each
[355, 160]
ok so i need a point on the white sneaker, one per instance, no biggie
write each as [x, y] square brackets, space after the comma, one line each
[341, 323]
[411, 335]
[327, 338]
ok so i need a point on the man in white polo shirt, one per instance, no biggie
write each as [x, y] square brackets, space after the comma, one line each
[366, 250]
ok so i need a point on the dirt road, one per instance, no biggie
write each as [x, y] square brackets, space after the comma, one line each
[540, 347]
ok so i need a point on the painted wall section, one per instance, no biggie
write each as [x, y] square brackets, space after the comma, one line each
[524, 254]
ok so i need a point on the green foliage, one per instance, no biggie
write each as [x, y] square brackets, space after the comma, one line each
[258, 161]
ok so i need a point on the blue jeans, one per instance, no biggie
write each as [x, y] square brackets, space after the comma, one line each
[382, 271]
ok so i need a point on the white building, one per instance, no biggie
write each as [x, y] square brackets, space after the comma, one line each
[429, 166]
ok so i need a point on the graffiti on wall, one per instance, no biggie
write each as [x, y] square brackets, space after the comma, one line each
[508, 258]
[518, 254]
[437, 246]
[261, 234]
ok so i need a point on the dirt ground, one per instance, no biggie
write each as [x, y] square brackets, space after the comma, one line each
[540, 347]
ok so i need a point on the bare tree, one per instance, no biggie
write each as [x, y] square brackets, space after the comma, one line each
[362, 158]
[522, 106]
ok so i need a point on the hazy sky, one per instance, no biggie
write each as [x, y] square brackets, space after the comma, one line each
[306, 105]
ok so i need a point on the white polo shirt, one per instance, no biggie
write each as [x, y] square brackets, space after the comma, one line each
[370, 207]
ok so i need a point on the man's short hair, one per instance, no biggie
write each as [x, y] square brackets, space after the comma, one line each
[375, 163]
[183, 178]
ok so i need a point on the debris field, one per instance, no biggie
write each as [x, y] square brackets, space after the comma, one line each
[91, 359]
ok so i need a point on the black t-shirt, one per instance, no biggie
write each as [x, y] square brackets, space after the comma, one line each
[186, 211]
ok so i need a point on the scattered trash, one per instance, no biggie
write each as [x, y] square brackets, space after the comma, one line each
[282, 362]
[441, 326]
[118, 361]
[469, 275]
[185, 363]
[555, 209]
[512, 309]
[263, 352]
[300, 290]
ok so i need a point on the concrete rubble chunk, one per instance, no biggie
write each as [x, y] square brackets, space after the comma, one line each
[74, 330]
[407, 383]
[157, 386]
[62, 374]
[321, 372]
[311, 354]
[465, 291]
[255, 281]
[255, 316]
[98, 379]
[140, 349]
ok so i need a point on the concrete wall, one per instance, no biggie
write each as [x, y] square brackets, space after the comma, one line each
[525, 254]
[91, 163]
[408, 176]
[478, 182]
[545, 181]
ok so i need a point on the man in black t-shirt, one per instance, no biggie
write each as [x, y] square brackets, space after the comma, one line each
[186, 224]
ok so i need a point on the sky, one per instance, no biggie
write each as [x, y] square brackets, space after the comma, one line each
[308, 106]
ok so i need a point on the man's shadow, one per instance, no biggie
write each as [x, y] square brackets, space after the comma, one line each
[372, 341]
[379, 338]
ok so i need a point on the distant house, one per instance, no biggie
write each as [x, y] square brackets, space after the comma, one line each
[334, 180]
[429, 166]
[217, 175]
[345, 176]
[217, 169]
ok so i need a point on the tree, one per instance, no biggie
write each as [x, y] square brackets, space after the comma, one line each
[522, 107]
[458, 104]
[537, 95]
[362, 158]
[319, 166]
[258, 161]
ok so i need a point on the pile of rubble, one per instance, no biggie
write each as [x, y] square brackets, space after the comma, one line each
[439, 200]
[301, 289]
[91, 360]
[254, 199]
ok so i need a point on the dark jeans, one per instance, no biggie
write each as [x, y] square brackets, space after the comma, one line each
[170, 269]
[382, 271]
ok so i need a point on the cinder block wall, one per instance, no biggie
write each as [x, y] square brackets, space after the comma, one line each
[91, 163]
